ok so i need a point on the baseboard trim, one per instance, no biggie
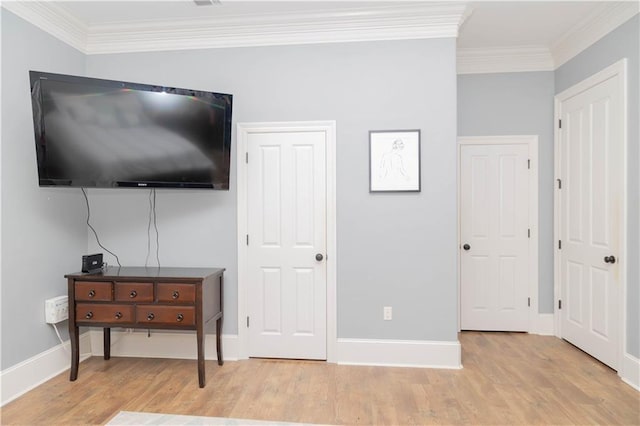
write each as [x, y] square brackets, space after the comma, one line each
[399, 353]
[162, 344]
[630, 371]
[21, 378]
[544, 325]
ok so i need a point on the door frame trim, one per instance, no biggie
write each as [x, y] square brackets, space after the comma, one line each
[531, 141]
[243, 130]
[618, 68]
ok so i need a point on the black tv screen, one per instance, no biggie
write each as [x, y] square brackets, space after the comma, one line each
[101, 133]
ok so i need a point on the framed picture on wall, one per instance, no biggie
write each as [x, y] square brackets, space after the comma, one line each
[394, 161]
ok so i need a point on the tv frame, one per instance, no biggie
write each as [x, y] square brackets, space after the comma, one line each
[39, 128]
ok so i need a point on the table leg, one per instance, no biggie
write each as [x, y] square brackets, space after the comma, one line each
[200, 339]
[219, 322]
[75, 352]
[219, 340]
[107, 342]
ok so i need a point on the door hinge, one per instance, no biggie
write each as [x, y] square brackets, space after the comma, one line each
[559, 244]
[560, 124]
[559, 304]
[247, 321]
[528, 301]
[559, 183]
[247, 239]
[246, 157]
[528, 164]
[529, 233]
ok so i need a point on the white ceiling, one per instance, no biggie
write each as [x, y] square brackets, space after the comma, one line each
[521, 23]
[109, 12]
[492, 36]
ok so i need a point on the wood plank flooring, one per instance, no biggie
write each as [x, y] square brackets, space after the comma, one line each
[508, 378]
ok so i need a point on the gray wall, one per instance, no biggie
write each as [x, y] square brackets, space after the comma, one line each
[43, 234]
[624, 42]
[518, 104]
[394, 250]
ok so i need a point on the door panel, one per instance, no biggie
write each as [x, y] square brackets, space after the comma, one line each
[304, 301]
[271, 286]
[508, 196]
[508, 282]
[494, 196]
[287, 228]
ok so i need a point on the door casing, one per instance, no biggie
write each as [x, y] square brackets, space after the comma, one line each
[532, 142]
[617, 69]
[243, 130]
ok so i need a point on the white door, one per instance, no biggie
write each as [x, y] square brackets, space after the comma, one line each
[494, 234]
[286, 244]
[591, 204]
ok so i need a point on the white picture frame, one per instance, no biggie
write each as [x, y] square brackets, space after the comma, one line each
[394, 161]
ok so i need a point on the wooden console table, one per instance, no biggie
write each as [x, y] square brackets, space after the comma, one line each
[139, 297]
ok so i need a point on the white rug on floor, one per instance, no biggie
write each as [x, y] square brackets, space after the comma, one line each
[137, 418]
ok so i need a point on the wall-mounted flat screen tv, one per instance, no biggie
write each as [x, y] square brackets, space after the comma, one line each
[104, 134]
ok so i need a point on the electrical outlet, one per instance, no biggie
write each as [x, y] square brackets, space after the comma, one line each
[387, 313]
[56, 309]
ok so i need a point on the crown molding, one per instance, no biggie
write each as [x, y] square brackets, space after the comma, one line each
[592, 28]
[504, 59]
[53, 19]
[415, 21]
[384, 22]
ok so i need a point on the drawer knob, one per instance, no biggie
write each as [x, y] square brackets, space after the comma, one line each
[150, 316]
[133, 294]
[179, 318]
[92, 293]
[89, 315]
[118, 315]
[175, 294]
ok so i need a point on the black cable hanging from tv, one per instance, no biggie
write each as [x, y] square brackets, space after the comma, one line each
[86, 199]
[150, 217]
[155, 225]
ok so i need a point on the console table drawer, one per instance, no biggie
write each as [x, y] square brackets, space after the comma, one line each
[89, 312]
[154, 314]
[134, 292]
[177, 293]
[100, 291]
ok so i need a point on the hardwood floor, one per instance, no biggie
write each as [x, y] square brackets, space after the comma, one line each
[508, 378]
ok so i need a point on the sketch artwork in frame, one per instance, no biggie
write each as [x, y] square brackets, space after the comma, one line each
[394, 161]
